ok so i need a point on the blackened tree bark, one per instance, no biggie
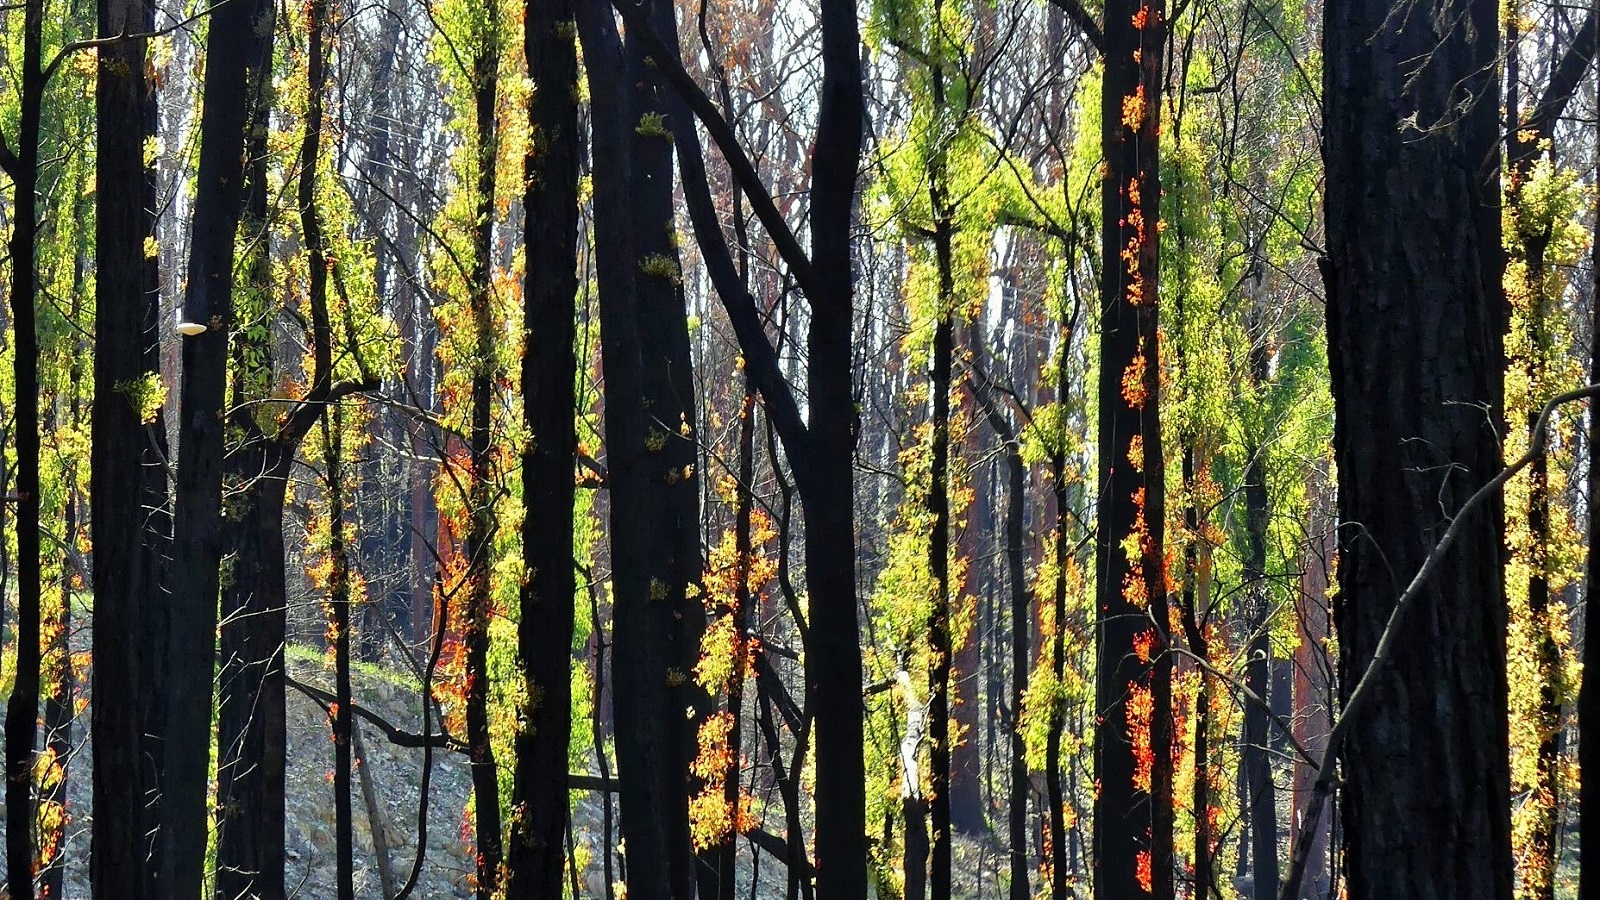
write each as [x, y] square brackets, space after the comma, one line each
[820, 447]
[22, 708]
[1415, 324]
[338, 611]
[549, 373]
[939, 638]
[1589, 688]
[1133, 674]
[1261, 794]
[477, 543]
[127, 473]
[1013, 548]
[649, 412]
[237, 51]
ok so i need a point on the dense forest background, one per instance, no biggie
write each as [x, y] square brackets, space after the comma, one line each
[913, 449]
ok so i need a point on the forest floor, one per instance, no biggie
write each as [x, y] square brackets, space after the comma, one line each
[396, 779]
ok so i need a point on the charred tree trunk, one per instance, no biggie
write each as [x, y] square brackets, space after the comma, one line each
[1133, 675]
[1415, 324]
[549, 374]
[237, 52]
[477, 544]
[22, 708]
[339, 636]
[127, 477]
[647, 400]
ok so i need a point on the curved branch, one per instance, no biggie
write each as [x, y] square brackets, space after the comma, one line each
[1327, 767]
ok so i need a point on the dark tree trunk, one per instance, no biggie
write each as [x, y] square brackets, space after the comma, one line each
[1415, 324]
[1133, 808]
[338, 624]
[647, 399]
[1014, 549]
[1589, 688]
[820, 447]
[1055, 796]
[251, 723]
[650, 748]
[1196, 592]
[22, 708]
[477, 543]
[237, 53]
[549, 373]
[939, 643]
[833, 657]
[127, 477]
[1260, 792]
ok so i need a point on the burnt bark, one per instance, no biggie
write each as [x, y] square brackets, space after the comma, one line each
[127, 472]
[238, 51]
[549, 373]
[1132, 817]
[1415, 323]
[22, 707]
[650, 463]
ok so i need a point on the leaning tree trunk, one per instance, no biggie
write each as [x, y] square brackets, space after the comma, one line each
[1415, 325]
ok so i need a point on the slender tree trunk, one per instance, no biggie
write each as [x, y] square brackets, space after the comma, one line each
[22, 708]
[939, 638]
[1589, 688]
[651, 678]
[237, 52]
[549, 376]
[1260, 792]
[1133, 675]
[1417, 362]
[477, 545]
[375, 818]
[339, 635]
[127, 476]
[1196, 593]
[58, 711]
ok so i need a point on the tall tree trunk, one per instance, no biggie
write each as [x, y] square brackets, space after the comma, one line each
[1133, 674]
[339, 633]
[1014, 549]
[833, 651]
[1259, 741]
[820, 447]
[237, 53]
[939, 637]
[127, 470]
[22, 708]
[1055, 791]
[1415, 324]
[1260, 793]
[647, 400]
[1194, 603]
[1589, 688]
[549, 377]
[477, 545]
[251, 720]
